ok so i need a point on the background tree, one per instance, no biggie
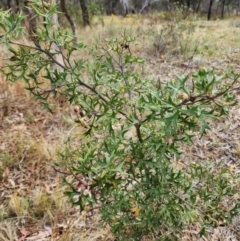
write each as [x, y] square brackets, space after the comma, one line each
[85, 14]
[210, 9]
[198, 6]
[140, 6]
[32, 20]
[222, 10]
[70, 20]
[146, 5]
[110, 6]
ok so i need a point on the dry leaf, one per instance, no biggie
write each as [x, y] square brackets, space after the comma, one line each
[24, 232]
[12, 182]
[48, 189]
[42, 234]
[135, 211]
[21, 127]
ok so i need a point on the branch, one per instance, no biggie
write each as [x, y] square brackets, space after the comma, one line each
[38, 48]
[139, 135]
[92, 89]
[72, 23]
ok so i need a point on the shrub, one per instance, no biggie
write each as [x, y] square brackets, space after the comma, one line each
[176, 35]
[133, 130]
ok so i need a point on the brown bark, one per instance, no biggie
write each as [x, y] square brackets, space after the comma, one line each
[198, 6]
[210, 9]
[32, 21]
[145, 6]
[72, 23]
[86, 20]
[222, 11]
[54, 47]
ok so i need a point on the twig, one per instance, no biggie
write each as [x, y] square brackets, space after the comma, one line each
[85, 184]
[38, 48]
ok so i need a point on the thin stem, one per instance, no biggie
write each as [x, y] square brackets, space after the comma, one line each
[38, 48]
[92, 89]
[138, 130]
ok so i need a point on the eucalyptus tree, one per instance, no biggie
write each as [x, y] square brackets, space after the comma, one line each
[85, 14]
[145, 6]
[140, 6]
[210, 9]
[125, 5]
[70, 20]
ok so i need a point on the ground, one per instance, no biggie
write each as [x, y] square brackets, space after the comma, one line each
[32, 203]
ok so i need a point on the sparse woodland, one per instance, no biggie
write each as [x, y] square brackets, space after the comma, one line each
[119, 120]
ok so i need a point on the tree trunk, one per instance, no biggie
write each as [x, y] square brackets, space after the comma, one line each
[125, 6]
[145, 6]
[54, 47]
[72, 23]
[222, 12]
[194, 4]
[86, 20]
[210, 9]
[198, 6]
[32, 22]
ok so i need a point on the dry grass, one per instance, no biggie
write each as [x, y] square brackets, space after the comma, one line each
[32, 203]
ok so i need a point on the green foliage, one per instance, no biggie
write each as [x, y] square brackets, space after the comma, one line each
[95, 8]
[176, 39]
[134, 129]
[176, 36]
